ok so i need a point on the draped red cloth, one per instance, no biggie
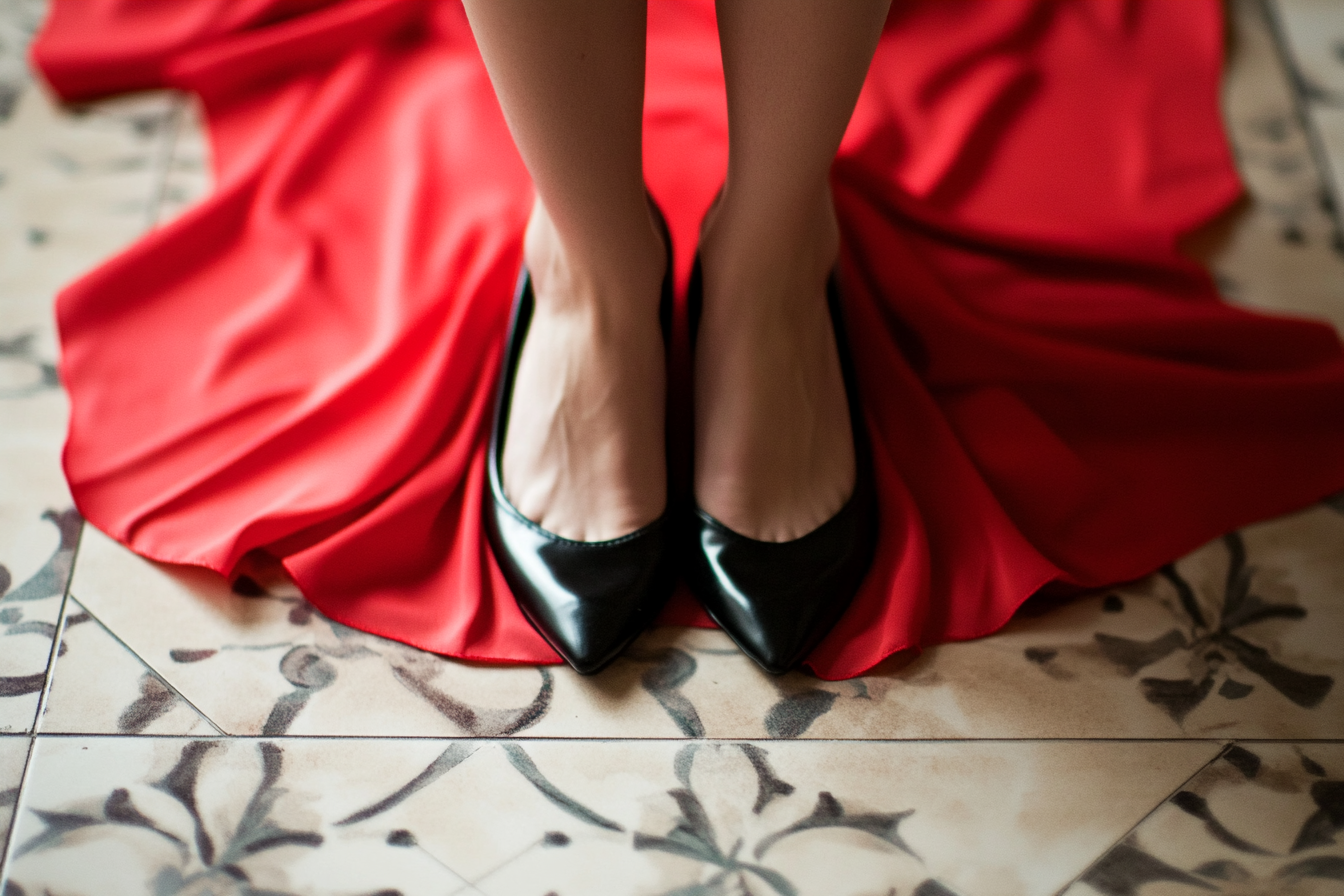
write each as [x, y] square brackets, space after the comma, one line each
[304, 363]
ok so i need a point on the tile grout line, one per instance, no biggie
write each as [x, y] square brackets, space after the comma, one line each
[7, 847]
[157, 674]
[1147, 815]
[52, 656]
[59, 633]
[473, 885]
[1283, 49]
[713, 741]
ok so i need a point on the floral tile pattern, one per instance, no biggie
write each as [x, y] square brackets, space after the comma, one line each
[1235, 640]
[1262, 818]
[90, 184]
[364, 816]
[1312, 33]
[1281, 250]
[29, 610]
[74, 187]
[1243, 629]
[99, 686]
[181, 734]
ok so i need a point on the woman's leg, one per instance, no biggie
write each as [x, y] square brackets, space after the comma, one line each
[774, 453]
[584, 456]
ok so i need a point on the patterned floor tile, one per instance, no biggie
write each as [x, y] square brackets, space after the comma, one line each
[1281, 250]
[1233, 641]
[1262, 819]
[1330, 131]
[13, 756]
[35, 559]
[99, 686]
[358, 816]
[1237, 639]
[141, 815]
[74, 187]
[19, 21]
[258, 659]
[78, 185]
[1314, 31]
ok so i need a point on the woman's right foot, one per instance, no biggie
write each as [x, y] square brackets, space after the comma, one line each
[584, 454]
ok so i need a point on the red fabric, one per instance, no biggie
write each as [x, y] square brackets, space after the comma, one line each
[305, 362]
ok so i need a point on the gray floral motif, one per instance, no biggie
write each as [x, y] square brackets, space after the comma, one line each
[1246, 868]
[47, 582]
[669, 669]
[313, 667]
[1221, 659]
[50, 580]
[17, 27]
[800, 704]
[156, 700]
[204, 865]
[693, 835]
[40, 374]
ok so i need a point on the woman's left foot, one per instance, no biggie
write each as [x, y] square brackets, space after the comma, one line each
[774, 449]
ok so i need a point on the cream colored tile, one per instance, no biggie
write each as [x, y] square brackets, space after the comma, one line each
[19, 21]
[77, 186]
[815, 818]
[1263, 818]
[1131, 663]
[593, 817]
[13, 757]
[1314, 31]
[143, 814]
[100, 687]
[1329, 123]
[1281, 251]
[35, 558]
[1265, 662]
[38, 528]
[74, 187]
[268, 664]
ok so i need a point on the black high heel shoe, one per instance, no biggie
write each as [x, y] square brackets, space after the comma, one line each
[777, 600]
[588, 599]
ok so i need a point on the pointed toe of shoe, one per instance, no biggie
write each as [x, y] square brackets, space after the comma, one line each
[588, 599]
[777, 600]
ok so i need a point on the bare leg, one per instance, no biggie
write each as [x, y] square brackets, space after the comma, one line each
[774, 453]
[584, 456]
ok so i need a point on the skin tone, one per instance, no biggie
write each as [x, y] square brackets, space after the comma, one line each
[584, 456]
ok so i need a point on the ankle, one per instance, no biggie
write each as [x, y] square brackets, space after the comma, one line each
[767, 260]
[615, 272]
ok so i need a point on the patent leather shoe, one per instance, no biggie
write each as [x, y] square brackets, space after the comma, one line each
[588, 599]
[777, 600]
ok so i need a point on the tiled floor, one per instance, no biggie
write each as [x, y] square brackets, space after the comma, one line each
[161, 733]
